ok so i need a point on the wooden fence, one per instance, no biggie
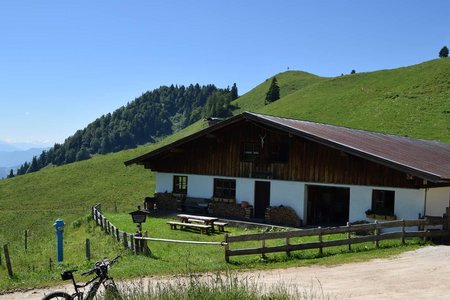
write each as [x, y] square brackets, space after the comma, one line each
[138, 244]
[403, 231]
[130, 241]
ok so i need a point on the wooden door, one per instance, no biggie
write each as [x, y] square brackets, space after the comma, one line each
[262, 198]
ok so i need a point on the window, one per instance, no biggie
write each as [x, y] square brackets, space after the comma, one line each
[383, 202]
[250, 151]
[225, 188]
[180, 184]
[279, 152]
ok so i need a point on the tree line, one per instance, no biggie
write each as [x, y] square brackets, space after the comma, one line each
[153, 115]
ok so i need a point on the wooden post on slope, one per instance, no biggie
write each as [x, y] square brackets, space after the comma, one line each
[320, 240]
[8, 261]
[227, 248]
[349, 237]
[88, 249]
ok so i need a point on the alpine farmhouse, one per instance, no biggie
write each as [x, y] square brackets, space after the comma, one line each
[326, 174]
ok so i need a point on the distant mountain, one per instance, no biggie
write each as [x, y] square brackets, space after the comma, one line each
[9, 147]
[10, 159]
[13, 159]
[4, 146]
[4, 172]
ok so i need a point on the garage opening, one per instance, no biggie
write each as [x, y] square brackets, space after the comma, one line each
[328, 206]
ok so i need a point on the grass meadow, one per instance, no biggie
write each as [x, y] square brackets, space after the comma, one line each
[411, 101]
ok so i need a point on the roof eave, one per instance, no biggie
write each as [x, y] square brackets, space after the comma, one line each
[140, 160]
[413, 171]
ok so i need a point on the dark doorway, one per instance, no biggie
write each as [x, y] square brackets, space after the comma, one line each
[262, 198]
[328, 206]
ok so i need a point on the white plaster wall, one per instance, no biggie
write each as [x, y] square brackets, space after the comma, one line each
[288, 193]
[200, 186]
[360, 201]
[245, 190]
[437, 201]
[164, 182]
[408, 202]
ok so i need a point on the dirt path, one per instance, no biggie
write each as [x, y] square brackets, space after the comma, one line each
[419, 274]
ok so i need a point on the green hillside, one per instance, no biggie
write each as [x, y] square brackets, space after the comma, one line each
[413, 101]
[289, 82]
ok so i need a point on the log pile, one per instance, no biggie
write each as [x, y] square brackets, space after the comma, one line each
[167, 201]
[222, 209]
[282, 215]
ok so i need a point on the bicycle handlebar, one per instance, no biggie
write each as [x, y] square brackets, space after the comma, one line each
[98, 264]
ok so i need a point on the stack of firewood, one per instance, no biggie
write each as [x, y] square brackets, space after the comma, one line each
[283, 215]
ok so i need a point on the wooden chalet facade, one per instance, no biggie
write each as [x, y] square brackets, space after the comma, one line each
[327, 174]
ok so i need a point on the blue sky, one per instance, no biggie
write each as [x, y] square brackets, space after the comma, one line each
[63, 64]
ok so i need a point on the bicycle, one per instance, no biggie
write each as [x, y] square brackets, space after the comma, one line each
[101, 278]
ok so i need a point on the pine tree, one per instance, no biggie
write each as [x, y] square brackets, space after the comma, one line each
[34, 166]
[11, 174]
[234, 92]
[273, 94]
[444, 52]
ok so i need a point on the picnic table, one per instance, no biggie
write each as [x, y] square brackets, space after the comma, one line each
[204, 223]
[185, 218]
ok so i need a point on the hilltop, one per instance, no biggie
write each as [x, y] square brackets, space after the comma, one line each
[411, 101]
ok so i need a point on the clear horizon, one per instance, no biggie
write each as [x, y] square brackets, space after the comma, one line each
[65, 64]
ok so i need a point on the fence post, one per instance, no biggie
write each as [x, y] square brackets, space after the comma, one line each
[132, 242]
[118, 234]
[263, 247]
[88, 249]
[26, 239]
[403, 231]
[137, 245]
[124, 240]
[288, 251]
[320, 240]
[101, 222]
[147, 250]
[227, 248]
[377, 234]
[349, 237]
[8, 261]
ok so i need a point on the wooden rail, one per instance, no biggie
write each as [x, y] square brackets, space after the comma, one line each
[403, 231]
[135, 243]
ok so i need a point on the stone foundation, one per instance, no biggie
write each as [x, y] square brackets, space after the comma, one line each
[167, 201]
[231, 210]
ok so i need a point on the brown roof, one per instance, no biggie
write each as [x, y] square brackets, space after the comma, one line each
[426, 159]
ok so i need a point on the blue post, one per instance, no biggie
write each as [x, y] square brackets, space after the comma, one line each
[59, 229]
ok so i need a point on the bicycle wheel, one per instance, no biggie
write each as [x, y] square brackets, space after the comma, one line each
[111, 292]
[58, 295]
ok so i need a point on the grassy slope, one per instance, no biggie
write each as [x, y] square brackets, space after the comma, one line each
[289, 82]
[412, 101]
[34, 201]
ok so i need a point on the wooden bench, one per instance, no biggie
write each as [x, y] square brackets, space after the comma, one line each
[221, 225]
[201, 227]
[196, 221]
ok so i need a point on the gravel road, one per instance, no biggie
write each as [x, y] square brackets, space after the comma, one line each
[420, 274]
